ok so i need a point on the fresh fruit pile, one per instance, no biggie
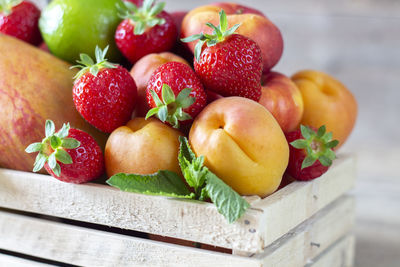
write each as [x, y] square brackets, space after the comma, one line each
[201, 114]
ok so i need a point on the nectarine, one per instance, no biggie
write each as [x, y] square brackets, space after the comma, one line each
[326, 102]
[280, 95]
[242, 144]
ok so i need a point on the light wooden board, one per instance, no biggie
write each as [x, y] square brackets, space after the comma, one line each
[86, 247]
[11, 261]
[266, 221]
[340, 254]
[311, 238]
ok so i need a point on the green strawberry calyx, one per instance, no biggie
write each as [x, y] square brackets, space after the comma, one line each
[86, 63]
[53, 148]
[170, 108]
[7, 5]
[317, 144]
[144, 17]
[218, 35]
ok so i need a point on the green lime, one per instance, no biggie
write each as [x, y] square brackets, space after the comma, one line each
[71, 27]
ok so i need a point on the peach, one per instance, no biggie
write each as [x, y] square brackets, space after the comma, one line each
[326, 102]
[141, 73]
[142, 147]
[280, 95]
[242, 144]
[253, 25]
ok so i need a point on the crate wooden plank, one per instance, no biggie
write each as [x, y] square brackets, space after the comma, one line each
[340, 254]
[12, 261]
[301, 200]
[82, 246]
[190, 220]
[86, 247]
[312, 237]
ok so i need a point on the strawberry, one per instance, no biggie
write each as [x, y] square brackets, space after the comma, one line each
[20, 19]
[145, 30]
[175, 93]
[70, 155]
[104, 93]
[136, 2]
[311, 152]
[229, 64]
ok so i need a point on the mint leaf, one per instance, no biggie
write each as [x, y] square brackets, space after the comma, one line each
[192, 167]
[229, 203]
[162, 183]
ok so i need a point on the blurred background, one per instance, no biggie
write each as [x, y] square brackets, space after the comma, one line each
[358, 42]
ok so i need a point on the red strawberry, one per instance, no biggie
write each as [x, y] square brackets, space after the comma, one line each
[145, 30]
[136, 2]
[230, 64]
[175, 93]
[311, 152]
[104, 93]
[70, 155]
[20, 19]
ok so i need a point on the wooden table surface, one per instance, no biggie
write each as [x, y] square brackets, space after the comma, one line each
[359, 43]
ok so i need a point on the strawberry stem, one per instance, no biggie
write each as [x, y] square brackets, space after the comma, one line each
[7, 5]
[170, 108]
[144, 17]
[218, 35]
[318, 146]
[53, 148]
[86, 63]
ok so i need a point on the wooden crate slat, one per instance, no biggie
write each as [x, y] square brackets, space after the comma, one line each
[182, 219]
[312, 237]
[81, 246]
[340, 254]
[300, 200]
[86, 247]
[12, 261]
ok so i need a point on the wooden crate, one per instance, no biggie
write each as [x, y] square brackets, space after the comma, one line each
[305, 223]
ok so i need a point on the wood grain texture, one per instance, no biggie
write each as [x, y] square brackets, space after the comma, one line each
[266, 221]
[341, 253]
[86, 247]
[300, 245]
[11, 261]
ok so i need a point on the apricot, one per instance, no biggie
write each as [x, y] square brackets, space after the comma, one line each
[242, 144]
[142, 147]
[326, 102]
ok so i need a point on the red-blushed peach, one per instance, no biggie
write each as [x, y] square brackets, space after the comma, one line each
[142, 147]
[252, 25]
[141, 73]
[280, 95]
[326, 102]
[242, 144]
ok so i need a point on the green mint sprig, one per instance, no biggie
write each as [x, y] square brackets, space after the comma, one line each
[318, 145]
[53, 148]
[204, 183]
[218, 35]
[144, 17]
